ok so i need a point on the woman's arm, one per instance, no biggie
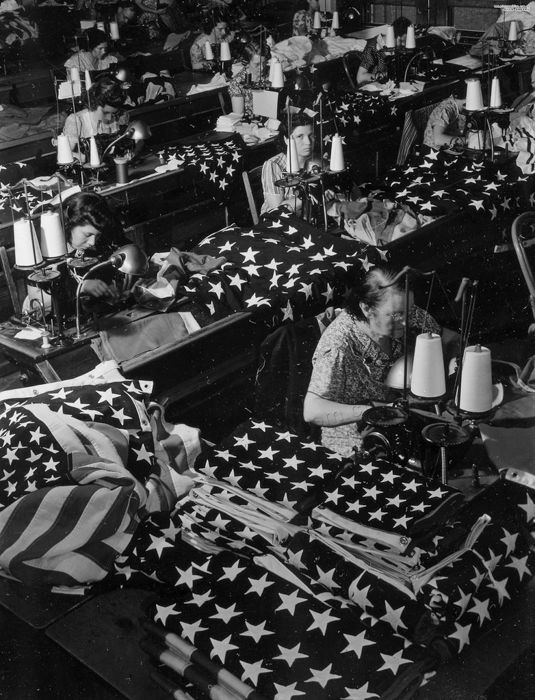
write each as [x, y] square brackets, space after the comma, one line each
[364, 76]
[326, 413]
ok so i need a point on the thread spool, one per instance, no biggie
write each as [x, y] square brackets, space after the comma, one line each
[292, 165]
[208, 53]
[224, 51]
[64, 156]
[475, 395]
[238, 104]
[335, 24]
[474, 95]
[121, 170]
[317, 20]
[277, 78]
[513, 31]
[337, 163]
[53, 244]
[88, 81]
[428, 378]
[390, 40]
[114, 31]
[475, 140]
[94, 157]
[410, 39]
[27, 250]
[75, 75]
[495, 94]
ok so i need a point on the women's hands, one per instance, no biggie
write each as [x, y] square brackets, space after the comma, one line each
[99, 289]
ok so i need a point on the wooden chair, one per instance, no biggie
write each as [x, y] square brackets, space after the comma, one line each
[252, 182]
[523, 237]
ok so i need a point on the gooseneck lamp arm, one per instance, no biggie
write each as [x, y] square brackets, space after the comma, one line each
[99, 265]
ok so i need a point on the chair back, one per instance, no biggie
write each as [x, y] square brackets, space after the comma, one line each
[523, 237]
[413, 130]
[252, 182]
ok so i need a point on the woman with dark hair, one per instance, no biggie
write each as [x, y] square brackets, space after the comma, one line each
[96, 57]
[274, 169]
[373, 64]
[355, 354]
[215, 29]
[253, 62]
[103, 115]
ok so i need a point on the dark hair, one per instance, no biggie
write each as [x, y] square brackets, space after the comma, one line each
[123, 4]
[297, 119]
[95, 37]
[90, 209]
[210, 20]
[250, 49]
[106, 91]
[370, 290]
[400, 25]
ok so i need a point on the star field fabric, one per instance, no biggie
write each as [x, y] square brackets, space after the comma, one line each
[218, 165]
[364, 110]
[436, 183]
[281, 270]
[281, 635]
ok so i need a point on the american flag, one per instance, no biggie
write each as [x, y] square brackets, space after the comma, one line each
[282, 270]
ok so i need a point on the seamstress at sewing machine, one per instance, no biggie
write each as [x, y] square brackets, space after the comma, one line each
[274, 169]
[373, 65]
[355, 354]
[103, 114]
[91, 229]
[251, 69]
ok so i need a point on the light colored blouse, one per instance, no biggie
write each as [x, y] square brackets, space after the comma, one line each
[87, 123]
[84, 60]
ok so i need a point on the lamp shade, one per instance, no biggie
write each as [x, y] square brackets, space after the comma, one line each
[53, 244]
[495, 94]
[27, 250]
[410, 40]
[114, 31]
[224, 51]
[394, 378]
[337, 163]
[138, 130]
[390, 40]
[292, 164]
[475, 395]
[513, 31]
[129, 259]
[428, 378]
[65, 156]
[208, 53]
[317, 20]
[277, 76]
[335, 24]
[474, 95]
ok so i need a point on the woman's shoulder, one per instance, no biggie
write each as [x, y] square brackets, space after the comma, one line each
[344, 330]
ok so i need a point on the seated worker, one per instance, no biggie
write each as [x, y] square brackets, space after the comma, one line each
[303, 19]
[373, 65]
[493, 38]
[103, 115]
[92, 229]
[445, 123]
[275, 168]
[213, 32]
[96, 57]
[253, 65]
[152, 14]
[354, 355]
[127, 13]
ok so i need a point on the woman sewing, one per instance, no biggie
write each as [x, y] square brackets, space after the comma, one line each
[212, 33]
[446, 123]
[251, 68]
[104, 113]
[274, 169]
[96, 56]
[355, 354]
[373, 64]
[303, 19]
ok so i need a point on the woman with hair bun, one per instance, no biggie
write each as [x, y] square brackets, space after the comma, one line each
[355, 354]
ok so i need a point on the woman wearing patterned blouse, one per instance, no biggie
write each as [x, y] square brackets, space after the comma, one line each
[355, 354]
[303, 20]
[445, 123]
[373, 65]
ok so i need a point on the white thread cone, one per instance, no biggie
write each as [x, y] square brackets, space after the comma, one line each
[337, 163]
[27, 251]
[476, 380]
[53, 243]
[428, 378]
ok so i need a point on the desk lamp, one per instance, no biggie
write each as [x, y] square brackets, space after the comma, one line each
[137, 131]
[129, 259]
